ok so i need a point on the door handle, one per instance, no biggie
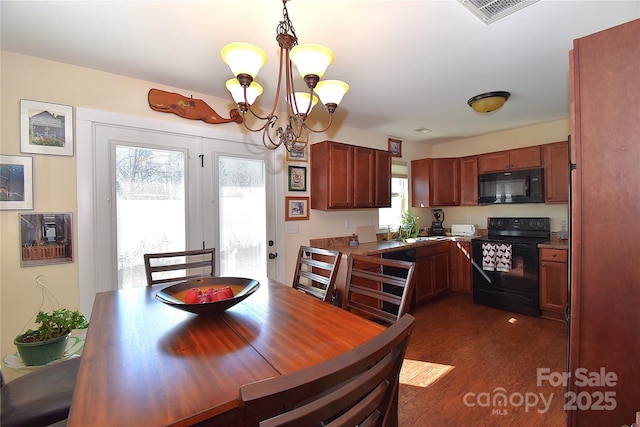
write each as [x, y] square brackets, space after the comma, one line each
[273, 256]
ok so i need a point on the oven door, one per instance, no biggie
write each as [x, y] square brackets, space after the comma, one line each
[516, 289]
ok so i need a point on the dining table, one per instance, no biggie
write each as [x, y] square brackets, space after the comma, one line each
[146, 363]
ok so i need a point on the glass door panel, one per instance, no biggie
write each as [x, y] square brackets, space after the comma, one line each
[150, 196]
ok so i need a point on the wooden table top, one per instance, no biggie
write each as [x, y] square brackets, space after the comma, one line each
[147, 364]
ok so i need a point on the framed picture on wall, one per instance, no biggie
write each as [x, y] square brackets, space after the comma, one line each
[297, 208]
[298, 154]
[45, 238]
[16, 182]
[395, 147]
[297, 178]
[46, 128]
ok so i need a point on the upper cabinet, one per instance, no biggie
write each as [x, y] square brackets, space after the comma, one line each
[519, 158]
[556, 172]
[435, 182]
[469, 181]
[345, 176]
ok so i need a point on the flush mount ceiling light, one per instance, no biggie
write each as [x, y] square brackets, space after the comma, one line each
[489, 101]
[311, 61]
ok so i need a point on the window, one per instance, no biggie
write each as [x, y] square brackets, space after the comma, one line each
[391, 217]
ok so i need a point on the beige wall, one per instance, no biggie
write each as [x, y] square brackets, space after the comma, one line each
[24, 77]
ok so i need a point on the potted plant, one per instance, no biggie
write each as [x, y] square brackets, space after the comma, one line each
[49, 341]
[410, 226]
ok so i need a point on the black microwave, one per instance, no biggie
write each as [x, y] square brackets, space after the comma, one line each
[522, 186]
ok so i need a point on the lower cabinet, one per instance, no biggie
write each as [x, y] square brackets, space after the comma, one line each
[462, 268]
[554, 279]
[432, 272]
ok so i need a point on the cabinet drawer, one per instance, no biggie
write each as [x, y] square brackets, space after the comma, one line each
[557, 255]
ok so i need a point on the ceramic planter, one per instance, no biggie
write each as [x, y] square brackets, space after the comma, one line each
[41, 353]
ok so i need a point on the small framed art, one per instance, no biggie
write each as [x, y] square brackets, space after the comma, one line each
[16, 182]
[297, 178]
[395, 147]
[46, 128]
[297, 208]
[45, 238]
[298, 154]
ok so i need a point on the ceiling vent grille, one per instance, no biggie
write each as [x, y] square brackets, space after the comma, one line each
[489, 11]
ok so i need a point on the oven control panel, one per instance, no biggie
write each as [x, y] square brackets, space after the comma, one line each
[520, 224]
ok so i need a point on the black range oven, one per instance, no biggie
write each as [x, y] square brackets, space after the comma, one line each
[505, 264]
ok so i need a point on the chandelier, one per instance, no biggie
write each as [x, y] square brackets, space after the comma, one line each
[311, 61]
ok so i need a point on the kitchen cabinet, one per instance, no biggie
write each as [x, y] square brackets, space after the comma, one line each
[462, 273]
[345, 176]
[469, 181]
[556, 172]
[432, 271]
[605, 277]
[554, 279]
[519, 158]
[435, 182]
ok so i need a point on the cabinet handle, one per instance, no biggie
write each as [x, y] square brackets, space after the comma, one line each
[553, 255]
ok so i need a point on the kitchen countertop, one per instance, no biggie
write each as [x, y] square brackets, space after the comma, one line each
[383, 246]
[554, 244]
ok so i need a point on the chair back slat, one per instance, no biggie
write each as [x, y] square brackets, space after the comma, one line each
[378, 288]
[355, 388]
[186, 265]
[316, 272]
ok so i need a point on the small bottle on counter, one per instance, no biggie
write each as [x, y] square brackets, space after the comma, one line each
[353, 240]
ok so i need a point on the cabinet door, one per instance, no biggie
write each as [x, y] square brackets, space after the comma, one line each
[462, 277]
[556, 172]
[423, 273]
[445, 182]
[363, 177]
[525, 158]
[382, 179]
[469, 180]
[493, 162]
[553, 285]
[420, 170]
[340, 176]
[441, 271]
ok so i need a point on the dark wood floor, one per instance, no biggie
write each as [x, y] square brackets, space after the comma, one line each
[462, 357]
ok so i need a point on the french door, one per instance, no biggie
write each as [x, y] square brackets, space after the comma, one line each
[162, 192]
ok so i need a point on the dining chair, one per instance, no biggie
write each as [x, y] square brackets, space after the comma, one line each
[358, 387]
[378, 288]
[316, 272]
[183, 265]
[40, 398]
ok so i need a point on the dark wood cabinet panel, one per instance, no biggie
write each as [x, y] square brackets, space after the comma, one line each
[518, 158]
[556, 172]
[554, 279]
[435, 182]
[605, 275]
[469, 181]
[462, 273]
[432, 272]
[345, 176]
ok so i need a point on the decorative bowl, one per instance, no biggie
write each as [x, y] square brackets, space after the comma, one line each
[174, 295]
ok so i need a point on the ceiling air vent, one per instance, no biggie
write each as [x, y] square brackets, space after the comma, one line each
[489, 11]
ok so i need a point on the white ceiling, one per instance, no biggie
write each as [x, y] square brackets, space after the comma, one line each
[410, 64]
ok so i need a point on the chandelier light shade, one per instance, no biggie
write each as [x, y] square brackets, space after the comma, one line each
[489, 101]
[244, 58]
[311, 61]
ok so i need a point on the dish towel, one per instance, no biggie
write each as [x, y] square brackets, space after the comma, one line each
[503, 257]
[489, 256]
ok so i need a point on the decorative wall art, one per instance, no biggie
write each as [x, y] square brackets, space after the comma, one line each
[297, 208]
[16, 182]
[395, 147]
[188, 108]
[298, 154]
[46, 128]
[45, 238]
[297, 178]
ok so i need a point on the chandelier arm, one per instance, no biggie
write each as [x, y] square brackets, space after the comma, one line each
[266, 119]
[266, 135]
[320, 130]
